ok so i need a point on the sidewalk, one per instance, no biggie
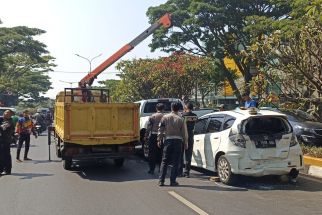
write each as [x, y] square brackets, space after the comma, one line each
[313, 166]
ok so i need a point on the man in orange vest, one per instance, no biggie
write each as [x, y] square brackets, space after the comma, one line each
[24, 128]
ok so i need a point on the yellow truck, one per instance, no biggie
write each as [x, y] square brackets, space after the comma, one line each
[88, 126]
[94, 130]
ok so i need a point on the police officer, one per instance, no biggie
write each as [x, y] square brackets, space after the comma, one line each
[7, 129]
[190, 120]
[173, 131]
[151, 136]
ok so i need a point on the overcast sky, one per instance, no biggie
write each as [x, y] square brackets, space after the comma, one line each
[84, 27]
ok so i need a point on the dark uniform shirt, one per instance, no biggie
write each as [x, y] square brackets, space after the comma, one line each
[190, 119]
[6, 130]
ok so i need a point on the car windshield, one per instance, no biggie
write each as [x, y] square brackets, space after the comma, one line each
[266, 125]
[150, 107]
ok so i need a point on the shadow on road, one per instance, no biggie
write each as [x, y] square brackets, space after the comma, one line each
[30, 175]
[45, 161]
[133, 170]
[266, 183]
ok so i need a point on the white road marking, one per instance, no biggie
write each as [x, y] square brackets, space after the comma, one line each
[187, 203]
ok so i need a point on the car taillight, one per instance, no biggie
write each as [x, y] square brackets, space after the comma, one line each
[238, 140]
[294, 141]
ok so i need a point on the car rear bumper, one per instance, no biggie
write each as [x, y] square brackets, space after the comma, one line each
[248, 167]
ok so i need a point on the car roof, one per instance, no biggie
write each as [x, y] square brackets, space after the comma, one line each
[244, 114]
[159, 100]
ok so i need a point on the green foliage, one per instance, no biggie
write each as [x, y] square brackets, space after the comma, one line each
[217, 29]
[24, 62]
[312, 151]
[111, 85]
[293, 60]
[175, 76]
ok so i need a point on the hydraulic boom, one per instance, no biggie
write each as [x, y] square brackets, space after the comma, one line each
[88, 80]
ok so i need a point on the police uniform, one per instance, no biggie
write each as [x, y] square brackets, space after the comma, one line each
[152, 133]
[190, 120]
[7, 129]
[173, 131]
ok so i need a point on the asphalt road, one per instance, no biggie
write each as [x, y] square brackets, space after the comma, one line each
[43, 187]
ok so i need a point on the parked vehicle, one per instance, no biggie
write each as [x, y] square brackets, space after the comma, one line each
[88, 126]
[246, 142]
[307, 131]
[203, 111]
[147, 108]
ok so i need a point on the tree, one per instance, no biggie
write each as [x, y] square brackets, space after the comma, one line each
[111, 85]
[23, 63]
[293, 60]
[216, 29]
[178, 75]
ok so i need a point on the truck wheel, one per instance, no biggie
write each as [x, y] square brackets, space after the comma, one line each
[224, 171]
[67, 164]
[119, 162]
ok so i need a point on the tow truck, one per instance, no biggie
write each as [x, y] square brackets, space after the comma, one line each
[87, 125]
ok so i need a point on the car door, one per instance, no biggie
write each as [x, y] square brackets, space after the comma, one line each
[198, 146]
[212, 140]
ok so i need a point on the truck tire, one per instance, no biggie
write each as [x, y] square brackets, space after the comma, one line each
[67, 164]
[119, 162]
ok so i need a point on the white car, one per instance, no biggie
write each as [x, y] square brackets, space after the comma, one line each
[246, 142]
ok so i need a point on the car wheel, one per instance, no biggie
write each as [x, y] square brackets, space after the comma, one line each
[224, 171]
[119, 162]
[67, 164]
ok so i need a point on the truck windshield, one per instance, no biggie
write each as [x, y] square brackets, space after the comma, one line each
[150, 107]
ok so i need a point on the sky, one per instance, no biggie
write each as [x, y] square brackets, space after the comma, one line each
[85, 27]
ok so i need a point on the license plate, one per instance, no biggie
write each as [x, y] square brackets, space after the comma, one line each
[101, 149]
[265, 144]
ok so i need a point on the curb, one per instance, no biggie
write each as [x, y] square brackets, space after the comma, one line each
[313, 166]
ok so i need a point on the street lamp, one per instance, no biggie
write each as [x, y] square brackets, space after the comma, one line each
[88, 60]
[69, 82]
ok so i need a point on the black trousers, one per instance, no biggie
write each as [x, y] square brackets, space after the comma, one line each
[23, 138]
[186, 156]
[171, 153]
[5, 157]
[154, 152]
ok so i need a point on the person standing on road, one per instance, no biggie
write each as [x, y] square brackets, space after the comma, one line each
[151, 135]
[173, 131]
[190, 120]
[24, 128]
[7, 130]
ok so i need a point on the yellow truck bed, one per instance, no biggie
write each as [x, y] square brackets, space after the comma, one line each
[97, 123]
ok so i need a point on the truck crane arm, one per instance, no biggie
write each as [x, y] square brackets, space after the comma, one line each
[88, 80]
